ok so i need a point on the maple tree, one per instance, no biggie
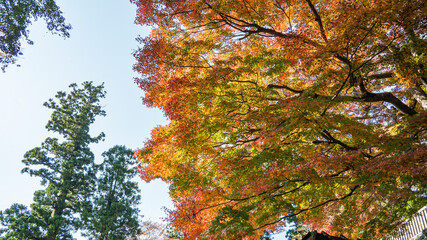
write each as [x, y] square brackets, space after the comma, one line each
[286, 111]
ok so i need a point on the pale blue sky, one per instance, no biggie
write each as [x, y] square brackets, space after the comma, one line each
[99, 50]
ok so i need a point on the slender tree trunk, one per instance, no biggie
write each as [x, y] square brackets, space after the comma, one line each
[54, 225]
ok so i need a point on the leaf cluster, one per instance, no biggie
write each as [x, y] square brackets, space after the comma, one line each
[16, 16]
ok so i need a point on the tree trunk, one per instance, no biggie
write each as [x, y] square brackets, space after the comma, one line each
[419, 95]
[57, 212]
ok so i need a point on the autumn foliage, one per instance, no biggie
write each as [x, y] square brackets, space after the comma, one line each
[282, 111]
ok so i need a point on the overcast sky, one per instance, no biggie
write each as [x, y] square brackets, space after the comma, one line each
[99, 50]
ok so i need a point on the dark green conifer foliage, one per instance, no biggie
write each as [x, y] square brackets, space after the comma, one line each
[65, 165]
[114, 212]
[22, 225]
[16, 15]
[75, 197]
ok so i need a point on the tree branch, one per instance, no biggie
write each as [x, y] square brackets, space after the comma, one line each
[419, 95]
[331, 139]
[272, 190]
[318, 20]
[284, 87]
[252, 28]
[366, 97]
[390, 98]
[380, 75]
[310, 208]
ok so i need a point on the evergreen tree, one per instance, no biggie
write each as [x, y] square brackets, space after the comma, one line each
[66, 167]
[114, 212]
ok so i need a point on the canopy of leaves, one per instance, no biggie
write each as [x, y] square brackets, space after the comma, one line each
[286, 109]
[16, 15]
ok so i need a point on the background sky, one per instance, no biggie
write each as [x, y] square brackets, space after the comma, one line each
[99, 50]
